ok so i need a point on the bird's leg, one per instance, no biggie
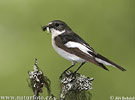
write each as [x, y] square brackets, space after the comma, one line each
[67, 69]
[79, 67]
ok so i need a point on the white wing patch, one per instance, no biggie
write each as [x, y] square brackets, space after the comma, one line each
[83, 48]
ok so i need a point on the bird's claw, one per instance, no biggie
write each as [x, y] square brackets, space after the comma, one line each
[72, 74]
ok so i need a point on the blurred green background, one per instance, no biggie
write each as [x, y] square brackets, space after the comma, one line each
[108, 25]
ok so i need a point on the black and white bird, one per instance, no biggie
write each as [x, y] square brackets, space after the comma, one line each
[73, 48]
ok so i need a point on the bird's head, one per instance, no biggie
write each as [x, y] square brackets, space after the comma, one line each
[56, 27]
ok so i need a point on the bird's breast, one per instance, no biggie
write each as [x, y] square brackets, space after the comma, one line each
[66, 55]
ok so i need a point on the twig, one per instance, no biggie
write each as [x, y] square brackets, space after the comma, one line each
[38, 80]
[73, 85]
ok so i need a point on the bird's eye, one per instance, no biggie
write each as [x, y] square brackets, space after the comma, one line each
[56, 24]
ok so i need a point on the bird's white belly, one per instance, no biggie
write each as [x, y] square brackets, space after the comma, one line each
[66, 55]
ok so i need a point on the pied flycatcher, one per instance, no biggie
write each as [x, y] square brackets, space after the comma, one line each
[73, 48]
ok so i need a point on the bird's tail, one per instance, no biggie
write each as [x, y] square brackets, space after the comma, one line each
[102, 60]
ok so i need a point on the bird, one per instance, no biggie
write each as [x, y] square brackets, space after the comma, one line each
[72, 47]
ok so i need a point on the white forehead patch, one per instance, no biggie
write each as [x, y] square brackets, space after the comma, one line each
[50, 23]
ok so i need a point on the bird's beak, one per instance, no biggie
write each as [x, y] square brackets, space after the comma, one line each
[44, 28]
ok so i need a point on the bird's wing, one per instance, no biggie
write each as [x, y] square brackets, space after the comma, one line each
[74, 38]
[74, 44]
[77, 49]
